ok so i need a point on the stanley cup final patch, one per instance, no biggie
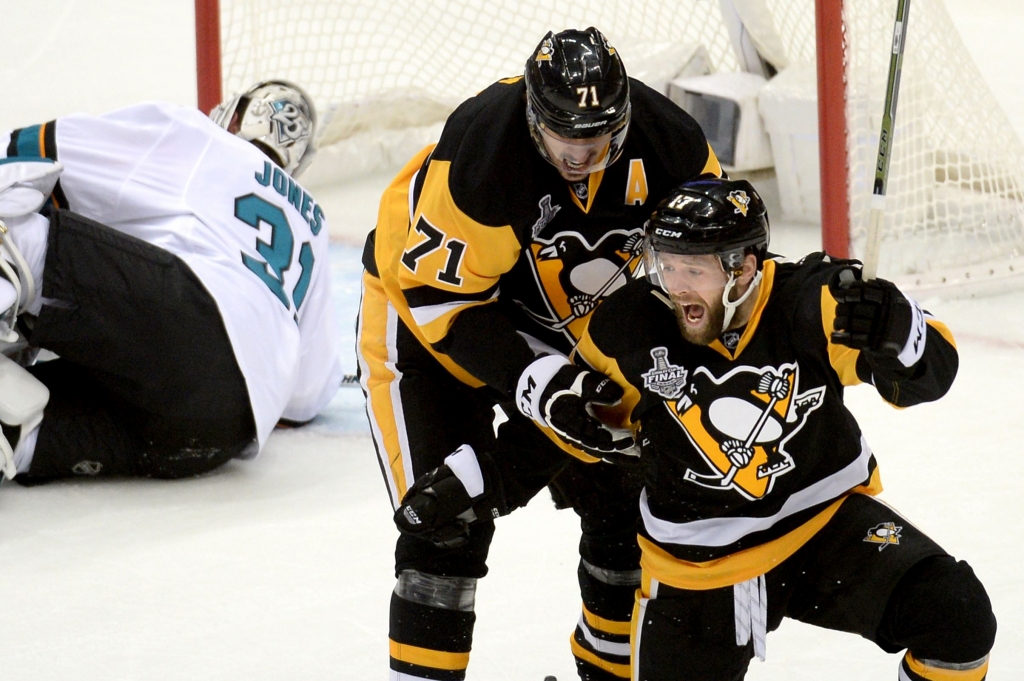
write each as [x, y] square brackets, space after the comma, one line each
[665, 379]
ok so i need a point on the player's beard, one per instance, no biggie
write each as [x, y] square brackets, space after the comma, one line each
[710, 317]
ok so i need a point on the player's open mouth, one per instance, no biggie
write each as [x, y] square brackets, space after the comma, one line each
[693, 314]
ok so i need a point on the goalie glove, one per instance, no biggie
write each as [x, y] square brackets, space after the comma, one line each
[556, 394]
[442, 503]
[876, 318]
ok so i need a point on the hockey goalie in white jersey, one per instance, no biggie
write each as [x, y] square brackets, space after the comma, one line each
[180, 275]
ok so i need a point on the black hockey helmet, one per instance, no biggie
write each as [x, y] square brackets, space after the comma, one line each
[711, 216]
[576, 88]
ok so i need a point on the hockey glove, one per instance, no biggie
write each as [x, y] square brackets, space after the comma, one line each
[876, 318]
[442, 503]
[556, 394]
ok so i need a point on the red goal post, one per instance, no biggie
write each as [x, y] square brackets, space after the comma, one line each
[835, 201]
[208, 71]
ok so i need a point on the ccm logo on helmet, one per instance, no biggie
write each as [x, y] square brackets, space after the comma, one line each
[670, 233]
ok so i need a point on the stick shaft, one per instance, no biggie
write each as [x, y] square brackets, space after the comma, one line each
[874, 235]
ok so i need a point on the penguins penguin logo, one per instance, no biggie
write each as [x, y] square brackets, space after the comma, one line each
[740, 424]
[575, 275]
[739, 199]
[884, 534]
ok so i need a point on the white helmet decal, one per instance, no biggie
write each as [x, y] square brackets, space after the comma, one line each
[292, 124]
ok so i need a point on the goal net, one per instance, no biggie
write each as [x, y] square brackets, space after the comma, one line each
[385, 74]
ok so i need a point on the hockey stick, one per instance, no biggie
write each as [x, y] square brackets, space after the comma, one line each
[874, 236]
[755, 432]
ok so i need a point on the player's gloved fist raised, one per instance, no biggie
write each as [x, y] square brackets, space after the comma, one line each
[875, 317]
[556, 394]
[442, 503]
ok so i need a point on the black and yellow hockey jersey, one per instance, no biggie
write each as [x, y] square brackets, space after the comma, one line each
[479, 237]
[777, 395]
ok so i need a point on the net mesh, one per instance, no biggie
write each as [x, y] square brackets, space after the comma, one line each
[380, 67]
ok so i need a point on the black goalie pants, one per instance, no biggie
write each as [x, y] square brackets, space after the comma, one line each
[146, 382]
[419, 413]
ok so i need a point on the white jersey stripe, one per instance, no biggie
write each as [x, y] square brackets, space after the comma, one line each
[725, 531]
[396, 401]
[364, 377]
[426, 314]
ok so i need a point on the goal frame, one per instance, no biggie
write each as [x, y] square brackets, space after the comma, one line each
[832, 124]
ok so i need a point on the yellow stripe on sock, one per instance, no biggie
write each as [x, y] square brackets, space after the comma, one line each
[937, 674]
[424, 657]
[620, 670]
[606, 626]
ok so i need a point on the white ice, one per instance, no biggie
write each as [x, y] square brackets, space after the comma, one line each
[281, 568]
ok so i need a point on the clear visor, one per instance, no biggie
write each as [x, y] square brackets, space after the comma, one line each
[678, 274]
[584, 155]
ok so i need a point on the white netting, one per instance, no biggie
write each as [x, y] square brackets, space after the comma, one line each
[384, 70]
[955, 176]
[373, 64]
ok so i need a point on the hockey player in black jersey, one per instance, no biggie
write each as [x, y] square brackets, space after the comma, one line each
[759, 486]
[491, 251]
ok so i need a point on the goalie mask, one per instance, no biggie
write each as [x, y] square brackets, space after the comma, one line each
[577, 101]
[278, 117]
[711, 216]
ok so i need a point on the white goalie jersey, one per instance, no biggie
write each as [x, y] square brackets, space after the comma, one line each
[256, 239]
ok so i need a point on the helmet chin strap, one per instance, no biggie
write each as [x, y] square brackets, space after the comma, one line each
[730, 306]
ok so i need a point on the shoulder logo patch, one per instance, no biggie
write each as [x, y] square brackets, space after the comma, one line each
[884, 534]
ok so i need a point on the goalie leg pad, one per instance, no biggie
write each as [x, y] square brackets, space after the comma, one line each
[129, 347]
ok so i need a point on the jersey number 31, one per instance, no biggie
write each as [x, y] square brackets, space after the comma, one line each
[277, 255]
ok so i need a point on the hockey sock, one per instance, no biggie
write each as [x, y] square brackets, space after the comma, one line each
[431, 627]
[912, 669]
[600, 642]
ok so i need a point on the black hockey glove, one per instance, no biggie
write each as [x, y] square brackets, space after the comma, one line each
[556, 394]
[439, 508]
[876, 318]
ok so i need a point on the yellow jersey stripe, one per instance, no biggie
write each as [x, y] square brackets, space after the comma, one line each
[765, 290]
[712, 167]
[375, 342]
[620, 413]
[843, 359]
[742, 565]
